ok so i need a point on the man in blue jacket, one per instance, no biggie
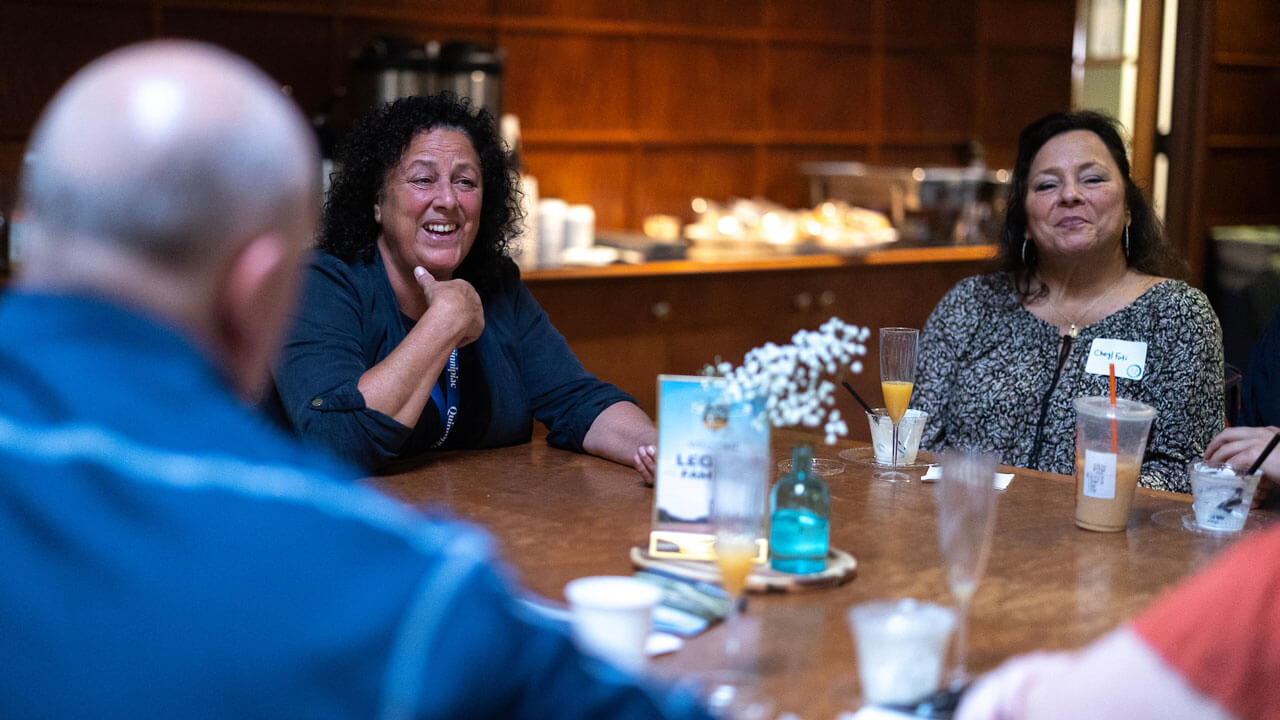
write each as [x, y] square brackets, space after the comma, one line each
[165, 553]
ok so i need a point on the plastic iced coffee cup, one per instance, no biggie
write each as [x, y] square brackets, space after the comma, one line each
[1110, 442]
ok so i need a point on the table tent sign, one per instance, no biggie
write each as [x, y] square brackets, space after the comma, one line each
[694, 426]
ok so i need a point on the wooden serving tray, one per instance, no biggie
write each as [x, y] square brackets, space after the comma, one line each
[841, 567]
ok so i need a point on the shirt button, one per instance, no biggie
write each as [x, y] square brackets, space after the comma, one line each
[317, 402]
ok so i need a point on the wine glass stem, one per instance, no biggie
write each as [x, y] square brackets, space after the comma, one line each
[960, 674]
[895, 445]
[732, 643]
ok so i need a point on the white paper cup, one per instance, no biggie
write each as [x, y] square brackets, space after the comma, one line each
[901, 645]
[909, 432]
[1221, 495]
[612, 616]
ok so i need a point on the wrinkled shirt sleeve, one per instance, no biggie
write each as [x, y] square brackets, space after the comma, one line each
[320, 366]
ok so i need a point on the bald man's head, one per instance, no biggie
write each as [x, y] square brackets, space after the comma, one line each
[171, 150]
[175, 178]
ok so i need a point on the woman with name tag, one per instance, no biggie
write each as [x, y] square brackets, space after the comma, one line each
[416, 332]
[1081, 286]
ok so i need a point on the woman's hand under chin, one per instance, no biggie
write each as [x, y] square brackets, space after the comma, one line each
[455, 300]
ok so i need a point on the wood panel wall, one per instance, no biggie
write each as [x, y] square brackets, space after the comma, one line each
[635, 106]
[1225, 141]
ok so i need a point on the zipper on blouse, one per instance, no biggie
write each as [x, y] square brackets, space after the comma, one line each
[1064, 349]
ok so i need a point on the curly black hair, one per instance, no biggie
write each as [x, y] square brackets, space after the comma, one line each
[375, 146]
[1147, 249]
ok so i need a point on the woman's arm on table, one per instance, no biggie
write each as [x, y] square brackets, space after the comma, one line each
[624, 434]
[1118, 676]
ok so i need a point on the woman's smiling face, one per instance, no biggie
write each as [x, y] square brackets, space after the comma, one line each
[429, 208]
[1075, 196]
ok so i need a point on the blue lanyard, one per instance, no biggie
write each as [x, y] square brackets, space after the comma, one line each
[445, 396]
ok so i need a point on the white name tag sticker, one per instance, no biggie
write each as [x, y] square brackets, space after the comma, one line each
[1129, 356]
[1099, 474]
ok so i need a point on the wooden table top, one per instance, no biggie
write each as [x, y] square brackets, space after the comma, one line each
[559, 515]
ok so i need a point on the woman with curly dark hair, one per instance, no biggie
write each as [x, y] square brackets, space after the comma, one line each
[416, 332]
[1081, 278]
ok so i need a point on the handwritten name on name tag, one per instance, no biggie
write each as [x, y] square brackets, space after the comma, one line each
[1129, 356]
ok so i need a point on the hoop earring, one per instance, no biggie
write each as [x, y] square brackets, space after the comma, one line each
[1024, 252]
[1126, 242]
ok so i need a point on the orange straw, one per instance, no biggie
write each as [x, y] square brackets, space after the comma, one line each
[1115, 444]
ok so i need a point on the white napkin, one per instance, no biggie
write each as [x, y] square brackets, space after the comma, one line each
[934, 474]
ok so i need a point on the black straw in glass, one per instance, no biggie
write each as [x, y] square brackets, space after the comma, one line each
[1265, 452]
[862, 402]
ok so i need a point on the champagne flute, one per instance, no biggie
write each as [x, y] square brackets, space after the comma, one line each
[738, 497]
[897, 378]
[966, 500]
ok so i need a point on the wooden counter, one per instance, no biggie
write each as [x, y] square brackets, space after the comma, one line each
[630, 323]
[559, 515]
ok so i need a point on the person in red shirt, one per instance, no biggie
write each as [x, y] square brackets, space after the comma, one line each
[1209, 648]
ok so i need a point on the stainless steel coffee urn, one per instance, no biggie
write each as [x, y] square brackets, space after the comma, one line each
[474, 71]
[389, 68]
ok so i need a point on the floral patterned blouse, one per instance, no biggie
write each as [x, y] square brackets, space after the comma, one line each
[986, 368]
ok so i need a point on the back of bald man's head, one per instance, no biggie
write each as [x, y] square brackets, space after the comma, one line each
[170, 151]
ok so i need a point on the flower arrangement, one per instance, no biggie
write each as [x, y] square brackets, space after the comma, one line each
[792, 379]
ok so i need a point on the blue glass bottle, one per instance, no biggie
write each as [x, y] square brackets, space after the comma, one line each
[799, 517]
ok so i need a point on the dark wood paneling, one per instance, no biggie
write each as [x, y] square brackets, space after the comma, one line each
[927, 92]
[42, 45]
[667, 179]
[1247, 179]
[676, 98]
[565, 82]
[599, 176]
[1027, 23]
[692, 87]
[587, 9]
[1243, 100]
[440, 10]
[927, 22]
[703, 14]
[819, 88]
[1020, 86]
[843, 16]
[1246, 26]
[295, 49]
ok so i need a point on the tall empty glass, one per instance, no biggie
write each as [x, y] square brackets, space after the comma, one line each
[739, 491]
[966, 499]
[897, 378]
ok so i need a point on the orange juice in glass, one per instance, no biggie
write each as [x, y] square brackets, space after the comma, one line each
[897, 378]
[734, 557]
[896, 396]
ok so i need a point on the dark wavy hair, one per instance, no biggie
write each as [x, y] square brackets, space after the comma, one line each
[1148, 251]
[376, 144]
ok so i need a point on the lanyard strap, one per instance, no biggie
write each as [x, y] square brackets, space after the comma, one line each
[445, 396]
